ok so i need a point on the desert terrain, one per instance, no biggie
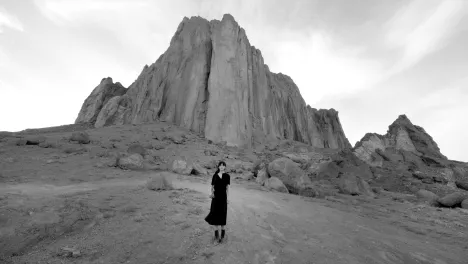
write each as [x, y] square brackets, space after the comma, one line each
[62, 201]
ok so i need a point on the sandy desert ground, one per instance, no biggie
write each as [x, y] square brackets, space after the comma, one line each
[63, 203]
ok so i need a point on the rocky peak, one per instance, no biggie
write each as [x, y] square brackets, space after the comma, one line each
[404, 140]
[213, 82]
[101, 95]
[403, 130]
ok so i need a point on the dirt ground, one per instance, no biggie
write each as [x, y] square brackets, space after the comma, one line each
[58, 206]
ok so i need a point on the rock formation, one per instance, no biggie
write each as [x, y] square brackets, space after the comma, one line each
[406, 158]
[403, 142]
[99, 97]
[213, 82]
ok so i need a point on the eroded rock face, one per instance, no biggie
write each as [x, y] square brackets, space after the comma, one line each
[99, 97]
[213, 82]
[403, 142]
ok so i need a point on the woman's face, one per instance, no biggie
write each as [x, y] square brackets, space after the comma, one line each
[222, 167]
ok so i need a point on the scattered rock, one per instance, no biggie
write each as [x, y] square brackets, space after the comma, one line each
[180, 166]
[80, 137]
[453, 199]
[427, 196]
[212, 164]
[69, 252]
[47, 145]
[462, 185]
[439, 179]
[160, 181]
[377, 190]
[262, 176]
[75, 150]
[176, 139]
[239, 166]
[137, 148]
[10, 160]
[21, 142]
[297, 157]
[353, 185]
[276, 184]
[99, 165]
[222, 144]
[464, 204]
[210, 152]
[35, 140]
[197, 169]
[159, 146]
[50, 161]
[132, 162]
[427, 180]
[246, 176]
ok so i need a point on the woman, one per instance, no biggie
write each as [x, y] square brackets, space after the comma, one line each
[219, 195]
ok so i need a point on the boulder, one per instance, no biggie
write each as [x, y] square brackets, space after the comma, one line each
[35, 140]
[462, 185]
[349, 183]
[197, 169]
[158, 146]
[137, 148]
[239, 165]
[160, 181]
[80, 137]
[131, 162]
[48, 144]
[276, 184]
[209, 152]
[427, 196]
[262, 176]
[297, 157]
[21, 142]
[453, 199]
[422, 176]
[174, 138]
[464, 204]
[74, 150]
[288, 172]
[319, 189]
[181, 166]
[247, 176]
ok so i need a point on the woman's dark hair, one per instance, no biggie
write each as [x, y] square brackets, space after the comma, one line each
[219, 164]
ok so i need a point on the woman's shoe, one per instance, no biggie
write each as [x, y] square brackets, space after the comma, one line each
[223, 232]
[216, 235]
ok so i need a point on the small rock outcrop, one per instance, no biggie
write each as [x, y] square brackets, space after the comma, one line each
[403, 142]
[213, 82]
[98, 98]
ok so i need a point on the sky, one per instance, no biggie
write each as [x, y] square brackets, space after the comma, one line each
[371, 60]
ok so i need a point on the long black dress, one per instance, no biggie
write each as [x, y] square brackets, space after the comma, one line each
[218, 210]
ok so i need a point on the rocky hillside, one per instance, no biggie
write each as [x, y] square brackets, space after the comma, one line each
[213, 82]
[406, 159]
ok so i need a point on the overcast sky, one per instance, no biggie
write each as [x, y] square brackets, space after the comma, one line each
[371, 60]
